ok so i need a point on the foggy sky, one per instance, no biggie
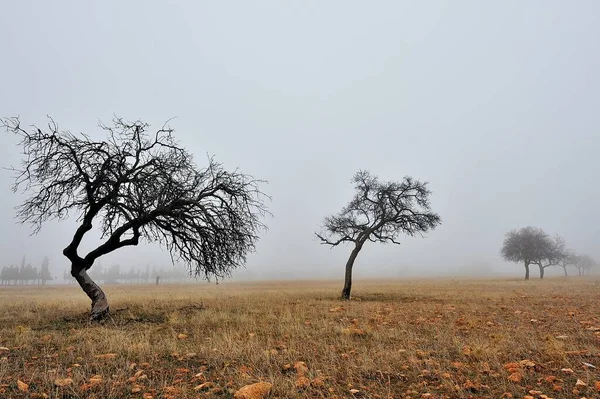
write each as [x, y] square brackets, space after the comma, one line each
[494, 103]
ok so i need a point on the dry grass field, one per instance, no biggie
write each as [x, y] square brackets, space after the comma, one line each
[452, 338]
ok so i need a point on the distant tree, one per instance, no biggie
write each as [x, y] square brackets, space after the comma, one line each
[30, 273]
[4, 275]
[146, 275]
[113, 274]
[553, 254]
[137, 185]
[22, 274]
[16, 274]
[45, 271]
[589, 266]
[525, 245]
[584, 264]
[379, 212]
[570, 259]
[98, 273]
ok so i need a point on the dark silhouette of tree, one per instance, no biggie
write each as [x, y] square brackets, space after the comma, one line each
[525, 245]
[379, 212]
[45, 271]
[532, 246]
[138, 186]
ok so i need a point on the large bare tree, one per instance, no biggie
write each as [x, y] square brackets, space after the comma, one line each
[136, 186]
[379, 212]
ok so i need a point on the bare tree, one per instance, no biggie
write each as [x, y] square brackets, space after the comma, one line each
[138, 186]
[570, 259]
[526, 245]
[554, 251]
[379, 212]
[584, 264]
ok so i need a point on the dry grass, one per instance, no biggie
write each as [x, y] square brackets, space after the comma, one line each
[395, 339]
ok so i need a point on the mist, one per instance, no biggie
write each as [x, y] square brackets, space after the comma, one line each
[494, 104]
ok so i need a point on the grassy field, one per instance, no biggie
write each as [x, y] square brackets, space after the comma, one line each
[452, 338]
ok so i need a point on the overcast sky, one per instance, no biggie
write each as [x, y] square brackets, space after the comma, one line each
[496, 104]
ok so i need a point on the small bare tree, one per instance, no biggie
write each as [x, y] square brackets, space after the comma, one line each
[379, 212]
[138, 186]
[570, 259]
[584, 264]
[525, 245]
[553, 253]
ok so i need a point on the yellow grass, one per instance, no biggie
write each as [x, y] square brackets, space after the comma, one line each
[396, 339]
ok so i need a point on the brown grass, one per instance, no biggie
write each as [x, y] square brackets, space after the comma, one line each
[396, 339]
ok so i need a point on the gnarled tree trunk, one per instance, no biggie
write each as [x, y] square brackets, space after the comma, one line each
[99, 309]
[526, 270]
[565, 268]
[541, 272]
[348, 276]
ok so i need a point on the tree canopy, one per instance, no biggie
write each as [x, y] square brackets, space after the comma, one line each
[379, 212]
[531, 245]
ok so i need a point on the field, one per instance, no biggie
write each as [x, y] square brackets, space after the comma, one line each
[452, 338]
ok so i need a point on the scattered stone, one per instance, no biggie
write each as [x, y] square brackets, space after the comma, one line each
[254, 391]
[317, 382]
[301, 368]
[22, 386]
[204, 386]
[63, 382]
[580, 384]
[567, 371]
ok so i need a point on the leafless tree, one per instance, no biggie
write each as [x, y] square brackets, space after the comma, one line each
[137, 186]
[553, 254]
[570, 259]
[584, 264]
[379, 212]
[525, 245]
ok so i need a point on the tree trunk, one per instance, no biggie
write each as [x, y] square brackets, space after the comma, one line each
[541, 272]
[526, 270]
[348, 276]
[99, 309]
[566, 275]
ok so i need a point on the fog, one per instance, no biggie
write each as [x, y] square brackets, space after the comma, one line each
[495, 104]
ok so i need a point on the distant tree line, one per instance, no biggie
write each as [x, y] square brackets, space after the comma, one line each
[116, 275]
[26, 273]
[533, 246]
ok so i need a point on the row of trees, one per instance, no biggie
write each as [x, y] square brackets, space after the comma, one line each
[116, 275]
[533, 246]
[26, 273]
